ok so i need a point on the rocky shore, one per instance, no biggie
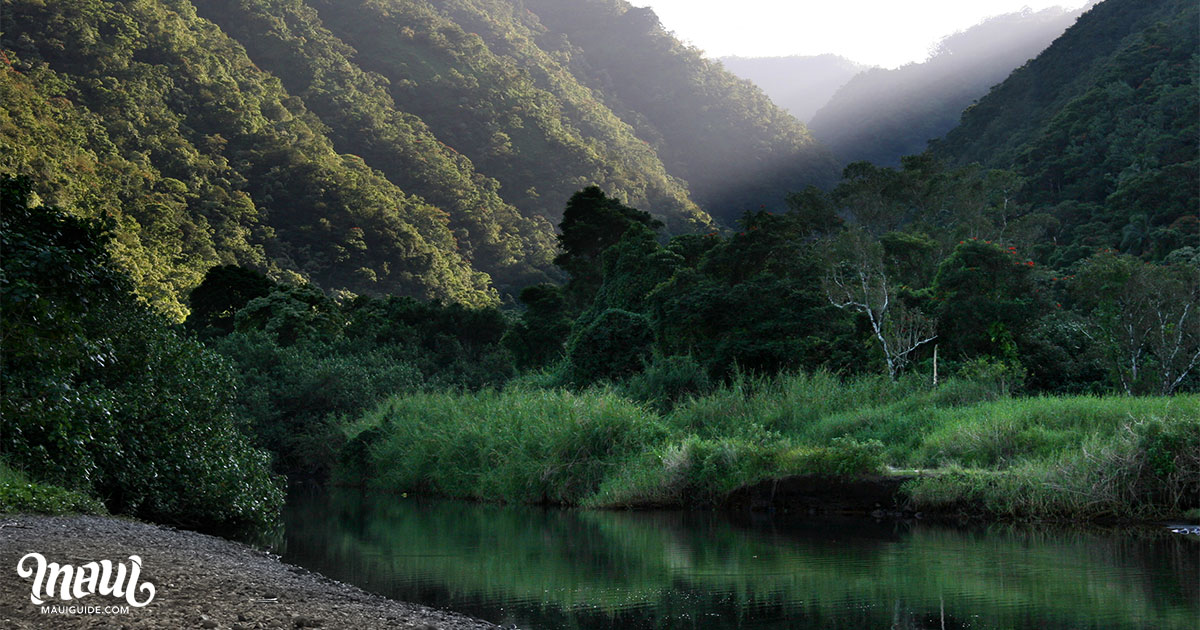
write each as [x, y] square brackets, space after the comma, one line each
[198, 581]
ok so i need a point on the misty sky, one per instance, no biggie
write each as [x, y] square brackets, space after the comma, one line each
[885, 33]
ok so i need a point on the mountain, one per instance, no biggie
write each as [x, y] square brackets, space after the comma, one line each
[880, 114]
[799, 84]
[1103, 127]
[410, 147]
[736, 149]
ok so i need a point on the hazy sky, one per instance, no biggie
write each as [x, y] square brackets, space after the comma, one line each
[886, 33]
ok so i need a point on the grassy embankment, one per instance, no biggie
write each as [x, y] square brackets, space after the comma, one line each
[1075, 457]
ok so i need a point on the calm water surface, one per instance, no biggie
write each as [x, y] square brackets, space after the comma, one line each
[550, 568]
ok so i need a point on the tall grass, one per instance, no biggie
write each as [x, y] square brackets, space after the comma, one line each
[524, 445]
[1081, 456]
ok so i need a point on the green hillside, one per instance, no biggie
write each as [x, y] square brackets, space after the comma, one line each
[207, 159]
[1103, 127]
[386, 147]
[734, 147]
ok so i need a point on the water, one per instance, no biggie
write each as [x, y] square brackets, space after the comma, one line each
[551, 568]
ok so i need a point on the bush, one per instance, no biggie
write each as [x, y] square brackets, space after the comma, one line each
[19, 495]
[1147, 468]
[613, 346]
[296, 397]
[844, 457]
[692, 472]
[102, 396]
[1004, 432]
[667, 381]
[517, 445]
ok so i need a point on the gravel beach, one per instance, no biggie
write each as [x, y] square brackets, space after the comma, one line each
[199, 581]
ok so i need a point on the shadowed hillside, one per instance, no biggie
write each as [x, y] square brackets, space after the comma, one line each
[801, 85]
[882, 114]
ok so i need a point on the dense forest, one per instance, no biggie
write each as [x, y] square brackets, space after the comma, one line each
[414, 148]
[881, 115]
[271, 286]
[1102, 130]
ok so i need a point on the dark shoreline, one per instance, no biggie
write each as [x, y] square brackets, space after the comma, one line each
[201, 581]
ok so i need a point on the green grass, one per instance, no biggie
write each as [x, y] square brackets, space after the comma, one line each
[20, 495]
[1055, 457]
[519, 445]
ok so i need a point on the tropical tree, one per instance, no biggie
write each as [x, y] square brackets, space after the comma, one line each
[1146, 315]
[857, 279]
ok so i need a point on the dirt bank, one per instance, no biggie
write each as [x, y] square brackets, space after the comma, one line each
[200, 582]
[870, 494]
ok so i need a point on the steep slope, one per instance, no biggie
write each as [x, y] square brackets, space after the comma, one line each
[737, 150]
[1103, 125]
[487, 106]
[882, 114]
[801, 85]
[414, 147]
[287, 39]
[214, 161]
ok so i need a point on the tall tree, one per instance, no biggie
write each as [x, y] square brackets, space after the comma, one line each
[592, 222]
[857, 279]
[1147, 315]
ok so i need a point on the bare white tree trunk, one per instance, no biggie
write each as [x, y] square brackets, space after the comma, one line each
[857, 281]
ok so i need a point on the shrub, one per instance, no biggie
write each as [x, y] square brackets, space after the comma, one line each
[844, 457]
[19, 495]
[668, 381]
[613, 346]
[1144, 469]
[517, 445]
[102, 396]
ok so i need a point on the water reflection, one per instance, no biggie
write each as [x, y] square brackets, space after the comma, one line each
[549, 568]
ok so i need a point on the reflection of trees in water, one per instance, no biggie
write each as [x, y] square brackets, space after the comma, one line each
[606, 569]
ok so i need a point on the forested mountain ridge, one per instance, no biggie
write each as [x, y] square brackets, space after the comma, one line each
[1102, 127]
[736, 149]
[881, 114]
[406, 147]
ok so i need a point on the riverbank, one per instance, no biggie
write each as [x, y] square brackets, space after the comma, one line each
[200, 582]
[1068, 458]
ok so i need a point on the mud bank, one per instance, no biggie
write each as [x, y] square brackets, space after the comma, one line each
[874, 494]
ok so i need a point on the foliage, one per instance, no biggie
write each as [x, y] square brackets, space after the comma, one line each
[19, 495]
[224, 291]
[1147, 468]
[536, 446]
[102, 396]
[596, 448]
[614, 345]
[986, 298]
[304, 362]
[857, 280]
[538, 338]
[406, 148]
[1147, 318]
[1102, 128]
[736, 149]
[233, 158]
[593, 222]
[667, 381]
